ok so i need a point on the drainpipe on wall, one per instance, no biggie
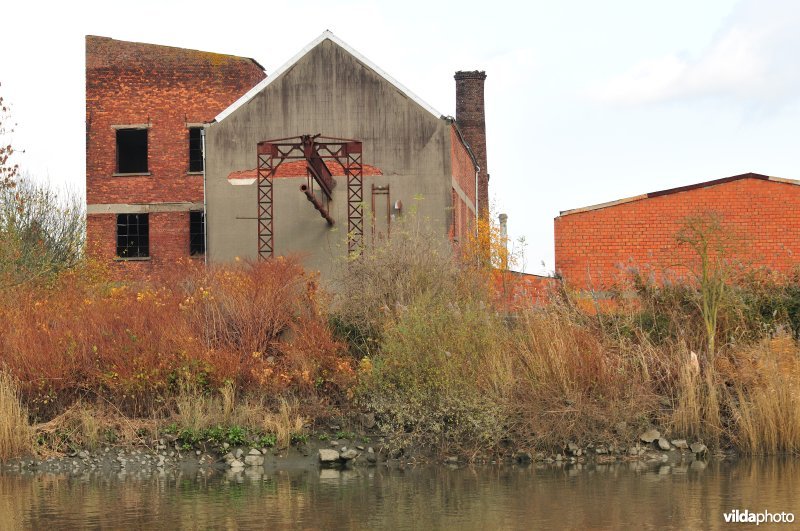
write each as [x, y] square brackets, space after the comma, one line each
[477, 215]
[205, 204]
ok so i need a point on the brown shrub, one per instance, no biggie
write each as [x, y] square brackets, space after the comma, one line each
[259, 326]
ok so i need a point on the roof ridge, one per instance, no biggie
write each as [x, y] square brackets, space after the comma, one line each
[686, 188]
[326, 35]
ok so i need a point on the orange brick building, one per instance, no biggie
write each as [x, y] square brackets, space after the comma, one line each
[597, 246]
[145, 108]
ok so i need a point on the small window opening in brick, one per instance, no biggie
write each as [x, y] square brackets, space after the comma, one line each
[197, 232]
[195, 149]
[132, 151]
[133, 236]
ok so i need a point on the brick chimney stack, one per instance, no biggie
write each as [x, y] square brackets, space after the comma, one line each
[472, 121]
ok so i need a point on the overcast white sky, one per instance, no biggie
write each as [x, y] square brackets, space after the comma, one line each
[586, 101]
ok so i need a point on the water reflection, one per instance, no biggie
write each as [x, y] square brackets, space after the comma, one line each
[655, 496]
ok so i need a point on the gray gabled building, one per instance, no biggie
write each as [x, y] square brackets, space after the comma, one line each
[405, 149]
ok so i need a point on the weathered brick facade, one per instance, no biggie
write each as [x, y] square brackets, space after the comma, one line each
[760, 216]
[164, 90]
[169, 237]
[463, 170]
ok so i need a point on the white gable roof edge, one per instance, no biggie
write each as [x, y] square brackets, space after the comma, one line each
[250, 94]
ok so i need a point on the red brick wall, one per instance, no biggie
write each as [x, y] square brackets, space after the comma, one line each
[132, 83]
[760, 218]
[169, 238]
[463, 173]
[516, 291]
[462, 168]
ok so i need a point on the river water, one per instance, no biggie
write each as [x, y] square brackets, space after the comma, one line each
[617, 496]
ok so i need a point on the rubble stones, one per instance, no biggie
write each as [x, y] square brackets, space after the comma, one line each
[254, 460]
[349, 455]
[328, 456]
[649, 436]
[698, 448]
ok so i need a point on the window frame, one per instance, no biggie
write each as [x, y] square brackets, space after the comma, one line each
[197, 149]
[197, 242]
[131, 127]
[141, 222]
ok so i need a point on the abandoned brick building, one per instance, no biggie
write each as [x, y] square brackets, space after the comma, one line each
[321, 157]
[599, 245]
[145, 109]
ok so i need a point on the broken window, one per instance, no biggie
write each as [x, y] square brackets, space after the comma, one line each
[195, 149]
[197, 232]
[132, 151]
[133, 236]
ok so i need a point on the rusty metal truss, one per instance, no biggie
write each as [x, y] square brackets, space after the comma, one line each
[315, 150]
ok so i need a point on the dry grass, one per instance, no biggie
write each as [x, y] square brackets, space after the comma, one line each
[766, 410]
[572, 384]
[698, 413]
[197, 411]
[15, 431]
[451, 374]
[90, 426]
[285, 423]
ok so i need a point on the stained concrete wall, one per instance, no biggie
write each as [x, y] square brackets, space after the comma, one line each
[327, 91]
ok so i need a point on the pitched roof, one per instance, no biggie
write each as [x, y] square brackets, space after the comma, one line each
[670, 191]
[297, 168]
[326, 35]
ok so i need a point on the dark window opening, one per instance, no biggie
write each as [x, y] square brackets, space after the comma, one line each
[197, 233]
[195, 149]
[132, 151]
[133, 236]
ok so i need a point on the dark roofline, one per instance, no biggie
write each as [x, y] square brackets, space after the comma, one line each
[679, 189]
[705, 184]
[534, 275]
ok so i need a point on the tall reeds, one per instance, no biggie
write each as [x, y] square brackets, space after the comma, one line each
[16, 436]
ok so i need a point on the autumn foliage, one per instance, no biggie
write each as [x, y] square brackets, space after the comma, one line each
[257, 326]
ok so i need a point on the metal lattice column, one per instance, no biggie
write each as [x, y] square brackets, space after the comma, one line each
[266, 171]
[355, 197]
[315, 150]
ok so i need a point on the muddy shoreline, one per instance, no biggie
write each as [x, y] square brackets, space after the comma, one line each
[322, 452]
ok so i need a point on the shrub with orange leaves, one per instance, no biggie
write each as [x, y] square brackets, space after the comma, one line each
[487, 254]
[259, 326]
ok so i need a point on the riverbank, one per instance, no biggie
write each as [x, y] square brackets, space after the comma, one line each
[335, 449]
[415, 340]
